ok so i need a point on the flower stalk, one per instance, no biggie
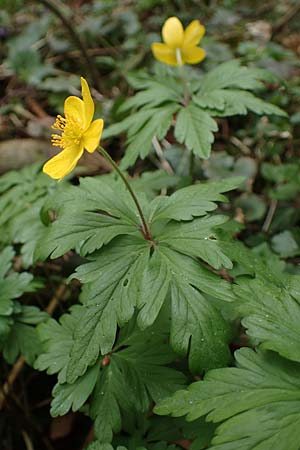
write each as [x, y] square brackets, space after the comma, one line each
[187, 94]
[175, 38]
[144, 226]
[186, 100]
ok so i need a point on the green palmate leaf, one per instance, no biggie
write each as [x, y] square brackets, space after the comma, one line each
[194, 127]
[258, 401]
[57, 340]
[155, 92]
[131, 124]
[16, 186]
[5, 325]
[271, 316]
[110, 298]
[126, 275]
[213, 100]
[141, 127]
[250, 263]
[232, 75]
[196, 325]
[12, 284]
[134, 377]
[73, 396]
[154, 287]
[6, 261]
[197, 275]
[197, 238]
[27, 229]
[87, 218]
[131, 272]
[191, 318]
[144, 365]
[140, 140]
[269, 304]
[142, 79]
[21, 337]
[20, 192]
[292, 284]
[110, 393]
[17, 335]
[23, 340]
[223, 91]
[240, 102]
[192, 201]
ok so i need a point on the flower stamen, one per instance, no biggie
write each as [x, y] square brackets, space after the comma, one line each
[71, 130]
[59, 123]
[56, 140]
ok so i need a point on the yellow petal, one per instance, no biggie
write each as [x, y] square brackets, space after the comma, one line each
[60, 165]
[89, 107]
[173, 33]
[164, 53]
[74, 107]
[193, 55]
[91, 137]
[193, 34]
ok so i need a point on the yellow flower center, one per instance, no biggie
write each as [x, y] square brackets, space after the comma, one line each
[71, 129]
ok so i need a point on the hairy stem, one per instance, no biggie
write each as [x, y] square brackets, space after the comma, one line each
[145, 228]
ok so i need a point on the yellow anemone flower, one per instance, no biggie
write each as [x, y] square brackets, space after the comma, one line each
[180, 46]
[79, 132]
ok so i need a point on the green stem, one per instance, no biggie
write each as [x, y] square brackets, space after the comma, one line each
[145, 228]
[186, 100]
[191, 165]
[187, 94]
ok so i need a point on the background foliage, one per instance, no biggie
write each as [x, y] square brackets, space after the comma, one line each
[258, 249]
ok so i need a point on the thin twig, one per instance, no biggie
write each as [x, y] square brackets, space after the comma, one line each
[240, 145]
[92, 52]
[270, 215]
[27, 441]
[286, 18]
[56, 298]
[158, 150]
[57, 7]
[17, 367]
[19, 364]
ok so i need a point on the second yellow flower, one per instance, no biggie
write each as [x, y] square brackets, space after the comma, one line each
[180, 46]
